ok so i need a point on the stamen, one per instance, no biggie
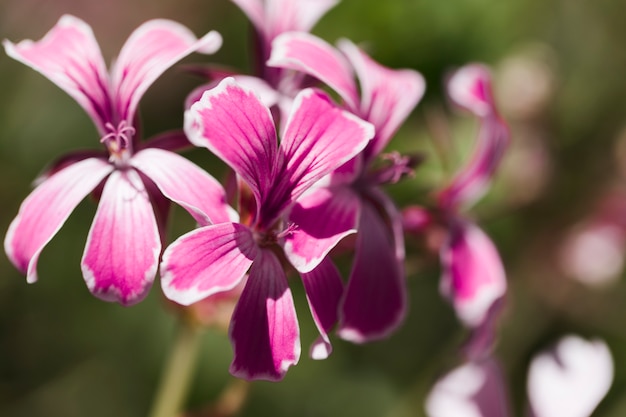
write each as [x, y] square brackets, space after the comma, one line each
[399, 166]
[291, 229]
[118, 137]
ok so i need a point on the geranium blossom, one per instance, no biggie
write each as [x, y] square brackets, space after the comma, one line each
[121, 256]
[231, 121]
[375, 300]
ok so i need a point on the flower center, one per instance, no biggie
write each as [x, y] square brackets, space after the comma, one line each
[395, 167]
[118, 140]
[271, 237]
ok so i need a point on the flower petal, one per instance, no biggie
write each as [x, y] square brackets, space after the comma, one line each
[232, 123]
[470, 88]
[206, 261]
[323, 288]
[149, 51]
[322, 218]
[123, 246]
[307, 53]
[387, 96]
[475, 389]
[473, 275]
[572, 380]
[45, 210]
[264, 328]
[69, 56]
[374, 304]
[319, 138]
[186, 184]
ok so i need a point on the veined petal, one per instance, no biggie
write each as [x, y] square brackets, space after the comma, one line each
[322, 218]
[45, 210]
[319, 138]
[264, 328]
[232, 123]
[186, 184]
[122, 252]
[570, 381]
[475, 389]
[307, 53]
[323, 288]
[206, 261]
[473, 275]
[149, 51]
[470, 88]
[374, 303]
[387, 96]
[69, 56]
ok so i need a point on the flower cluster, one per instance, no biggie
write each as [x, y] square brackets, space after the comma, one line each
[309, 168]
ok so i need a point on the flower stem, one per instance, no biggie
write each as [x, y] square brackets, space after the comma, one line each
[176, 378]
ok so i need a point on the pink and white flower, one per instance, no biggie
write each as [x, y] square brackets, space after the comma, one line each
[374, 303]
[232, 122]
[121, 256]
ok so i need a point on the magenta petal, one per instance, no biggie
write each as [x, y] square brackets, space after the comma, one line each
[473, 275]
[186, 184]
[387, 96]
[264, 328]
[322, 218]
[375, 300]
[123, 246]
[470, 88]
[323, 288]
[45, 210]
[70, 57]
[319, 138]
[232, 123]
[311, 55]
[150, 50]
[206, 261]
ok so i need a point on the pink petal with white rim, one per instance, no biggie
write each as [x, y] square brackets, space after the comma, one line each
[207, 261]
[232, 123]
[322, 218]
[264, 328]
[307, 53]
[570, 381]
[475, 389]
[473, 276]
[387, 96]
[374, 304]
[122, 251]
[150, 50]
[470, 88]
[186, 184]
[70, 57]
[45, 210]
[473, 180]
[319, 138]
[323, 288]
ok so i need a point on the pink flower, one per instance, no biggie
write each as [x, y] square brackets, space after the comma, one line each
[231, 121]
[121, 256]
[374, 303]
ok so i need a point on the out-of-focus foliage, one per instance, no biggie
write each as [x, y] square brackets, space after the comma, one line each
[559, 67]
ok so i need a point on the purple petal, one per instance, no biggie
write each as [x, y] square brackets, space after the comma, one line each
[307, 53]
[123, 246]
[473, 275]
[387, 96]
[475, 389]
[186, 184]
[374, 304]
[318, 139]
[149, 51]
[206, 261]
[70, 57]
[323, 288]
[572, 380]
[45, 210]
[232, 123]
[264, 328]
[322, 217]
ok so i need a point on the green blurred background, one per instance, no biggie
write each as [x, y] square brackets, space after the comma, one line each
[559, 67]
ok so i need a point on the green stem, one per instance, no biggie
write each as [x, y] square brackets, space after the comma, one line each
[176, 378]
